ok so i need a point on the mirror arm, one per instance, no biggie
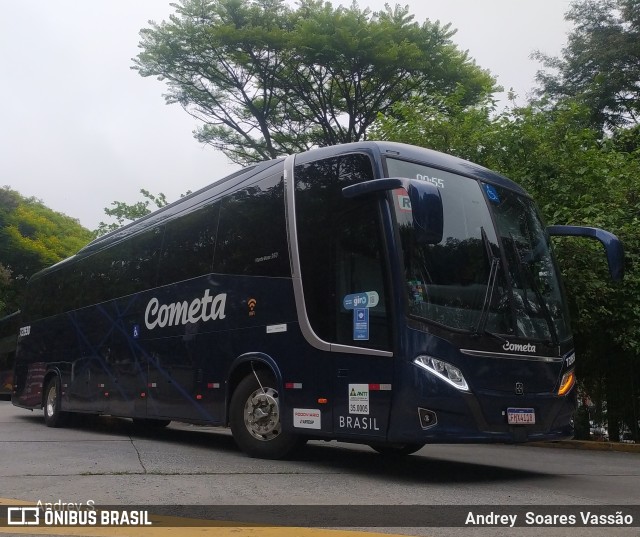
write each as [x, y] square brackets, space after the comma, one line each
[426, 203]
[612, 245]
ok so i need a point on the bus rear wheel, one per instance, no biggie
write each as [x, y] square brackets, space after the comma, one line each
[53, 416]
[255, 419]
[396, 450]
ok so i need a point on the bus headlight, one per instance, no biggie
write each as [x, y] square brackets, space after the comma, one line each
[567, 382]
[443, 370]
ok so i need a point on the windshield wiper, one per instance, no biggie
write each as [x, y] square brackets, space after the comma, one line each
[491, 284]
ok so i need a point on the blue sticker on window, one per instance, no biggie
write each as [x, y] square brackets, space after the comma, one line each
[360, 324]
[492, 193]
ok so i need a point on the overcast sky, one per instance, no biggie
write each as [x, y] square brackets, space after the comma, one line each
[79, 128]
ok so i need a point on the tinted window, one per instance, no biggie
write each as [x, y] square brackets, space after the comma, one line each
[340, 247]
[252, 236]
[245, 233]
[132, 265]
[40, 298]
[127, 267]
[189, 242]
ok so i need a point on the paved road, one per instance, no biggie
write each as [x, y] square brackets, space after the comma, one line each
[109, 461]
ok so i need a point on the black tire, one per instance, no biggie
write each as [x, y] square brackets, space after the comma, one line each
[53, 416]
[150, 423]
[256, 421]
[396, 450]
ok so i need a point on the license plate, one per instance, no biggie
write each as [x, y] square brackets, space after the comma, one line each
[521, 416]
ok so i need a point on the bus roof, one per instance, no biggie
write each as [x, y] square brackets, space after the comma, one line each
[186, 202]
[385, 149]
[376, 149]
[434, 159]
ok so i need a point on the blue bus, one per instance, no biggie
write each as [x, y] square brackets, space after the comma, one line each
[374, 292]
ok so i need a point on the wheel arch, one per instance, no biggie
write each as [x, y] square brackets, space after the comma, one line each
[50, 373]
[242, 366]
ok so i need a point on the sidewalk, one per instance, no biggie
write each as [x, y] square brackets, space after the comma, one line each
[589, 445]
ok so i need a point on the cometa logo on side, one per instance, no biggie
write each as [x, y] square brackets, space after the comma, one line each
[204, 309]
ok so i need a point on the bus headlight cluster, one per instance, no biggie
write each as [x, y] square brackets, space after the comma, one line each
[444, 371]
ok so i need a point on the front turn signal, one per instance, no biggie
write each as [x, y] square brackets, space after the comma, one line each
[568, 380]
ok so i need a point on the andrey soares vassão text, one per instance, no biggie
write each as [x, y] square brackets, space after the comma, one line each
[530, 518]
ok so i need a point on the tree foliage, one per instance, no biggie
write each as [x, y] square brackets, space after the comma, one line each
[128, 212]
[443, 123]
[32, 237]
[266, 79]
[601, 63]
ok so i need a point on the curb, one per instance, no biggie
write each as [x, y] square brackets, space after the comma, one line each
[588, 445]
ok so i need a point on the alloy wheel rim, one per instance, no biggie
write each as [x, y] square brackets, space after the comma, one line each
[262, 414]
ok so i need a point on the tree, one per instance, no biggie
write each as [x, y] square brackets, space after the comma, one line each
[267, 80]
[124, 212]
[601, 63]
[32, 237]
[442, 123]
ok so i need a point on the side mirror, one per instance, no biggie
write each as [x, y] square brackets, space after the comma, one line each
[425, 198]
[612, 245]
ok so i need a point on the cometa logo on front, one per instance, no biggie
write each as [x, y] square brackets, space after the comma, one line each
[204, 309]
[519, 347]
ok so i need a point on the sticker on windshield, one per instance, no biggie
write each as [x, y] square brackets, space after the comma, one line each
[404, 202]
[417, 291]
[361, 324]
[369, 299]
[435, 181]
[492, 193]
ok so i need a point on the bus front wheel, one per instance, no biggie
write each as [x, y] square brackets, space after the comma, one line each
[255, 419]
[53, 416]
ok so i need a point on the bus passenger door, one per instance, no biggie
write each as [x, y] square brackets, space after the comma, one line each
[344, 275]
[364, 373]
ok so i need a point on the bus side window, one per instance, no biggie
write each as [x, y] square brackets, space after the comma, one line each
[252, 236]
[53, 294]
[37, 302]
[132, 264]
[189, 241]
[92, 271]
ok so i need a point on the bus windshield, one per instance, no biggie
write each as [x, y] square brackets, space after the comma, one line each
[481, 278]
